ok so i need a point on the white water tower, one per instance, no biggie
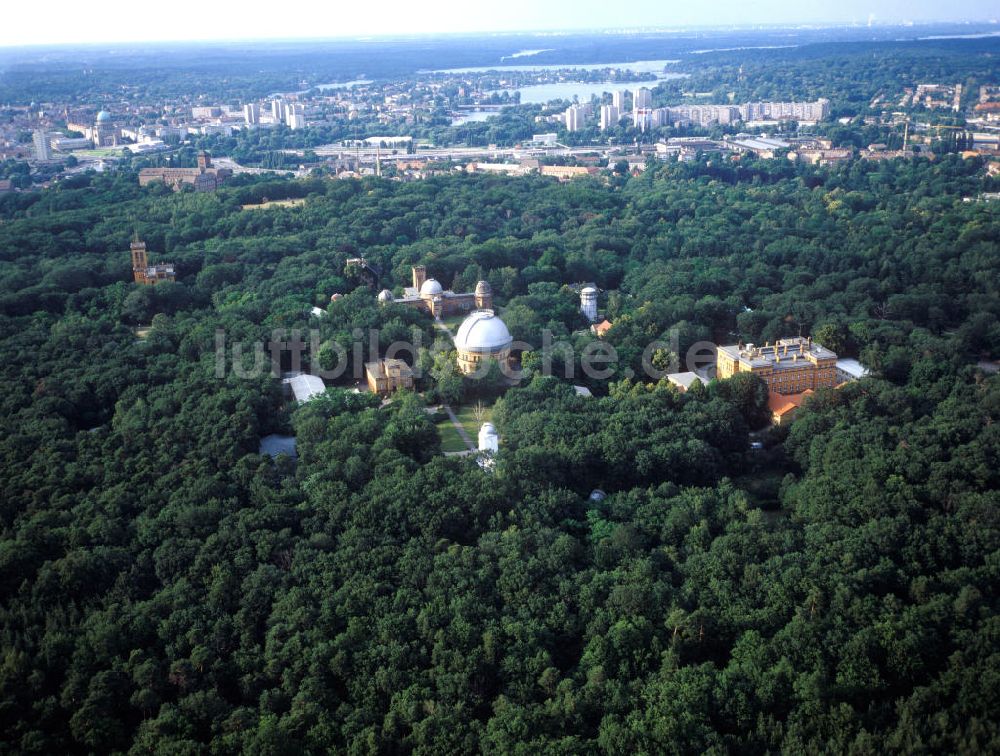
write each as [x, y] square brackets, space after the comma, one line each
[588, 303]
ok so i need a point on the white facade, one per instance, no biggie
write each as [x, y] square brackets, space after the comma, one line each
[618, 100]
[642, 98]
[489, 445]
[576, 117]
[642, 119]
[548, 140]
[850, 370]
[588, 303]
[489, 441]
[609, 116]
[251, 113]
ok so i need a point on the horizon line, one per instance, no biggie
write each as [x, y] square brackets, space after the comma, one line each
[564, 32]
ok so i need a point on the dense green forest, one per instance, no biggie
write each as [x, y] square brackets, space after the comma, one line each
[166, 588]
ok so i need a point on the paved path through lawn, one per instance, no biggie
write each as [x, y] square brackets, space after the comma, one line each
[458, 427]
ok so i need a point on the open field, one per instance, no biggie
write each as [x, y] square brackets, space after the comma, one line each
[467, 418]
[276, 203]
[450, 440]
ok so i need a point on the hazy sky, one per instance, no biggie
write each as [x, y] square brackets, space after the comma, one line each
[77, 21]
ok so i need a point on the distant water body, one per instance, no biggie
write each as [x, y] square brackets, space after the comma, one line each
[472, 116]
[343, 84]
[525, 53]
[567, 90]
[736, 49]
[638, 66]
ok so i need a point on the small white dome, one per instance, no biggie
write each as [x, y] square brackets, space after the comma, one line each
[482, 331]
[385, 296]
[430, 287]
[488, 438]
[588, 291]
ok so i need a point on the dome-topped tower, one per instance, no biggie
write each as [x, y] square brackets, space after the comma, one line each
[430, 288]
[104, 130]
[482, 336]
[484, 296]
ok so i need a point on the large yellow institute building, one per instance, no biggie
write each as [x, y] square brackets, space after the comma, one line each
[789, 366]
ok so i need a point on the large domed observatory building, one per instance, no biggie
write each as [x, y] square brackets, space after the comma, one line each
[482, 336]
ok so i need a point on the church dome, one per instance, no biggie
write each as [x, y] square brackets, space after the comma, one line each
[385, 296]
[483, 288]
[482, 331]
[430, 288]
[103, 117]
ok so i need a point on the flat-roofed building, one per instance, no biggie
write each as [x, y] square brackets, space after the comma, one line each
[386, 376]
[304, 386]
[544, 140]
[789, 366]
[684, 381]
[850, 370]
[610, 116]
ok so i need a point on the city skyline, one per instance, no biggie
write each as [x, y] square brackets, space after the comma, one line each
[190, 21]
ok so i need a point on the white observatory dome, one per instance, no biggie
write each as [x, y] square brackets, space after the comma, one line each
[430, 288]
[482, 331]
[385, 296]
[488, 438]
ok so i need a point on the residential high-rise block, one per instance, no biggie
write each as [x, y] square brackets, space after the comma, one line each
[610, 115]
[642, 99]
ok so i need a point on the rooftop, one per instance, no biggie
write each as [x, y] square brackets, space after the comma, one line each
[781, 404]
[685, 380]
[852, 367]
[782, 354]
[305, 387]
[482, 331]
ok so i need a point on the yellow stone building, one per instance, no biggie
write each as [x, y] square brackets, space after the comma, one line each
[788, 366]
[386, 376]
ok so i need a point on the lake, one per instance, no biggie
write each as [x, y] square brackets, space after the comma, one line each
[638, 66]
[343, 84]
[472, 116]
